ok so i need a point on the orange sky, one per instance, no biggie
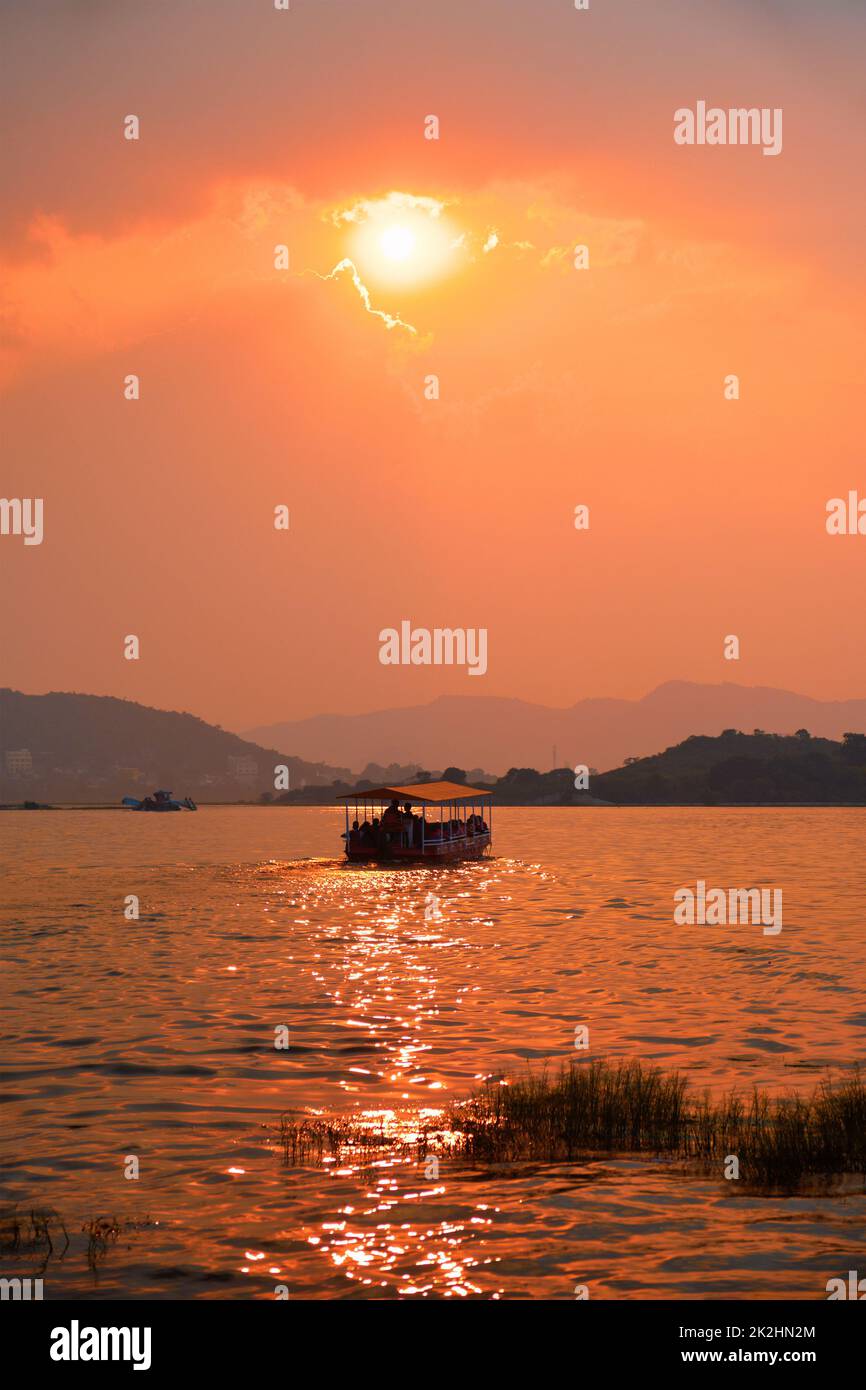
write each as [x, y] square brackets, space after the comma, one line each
[558, 386]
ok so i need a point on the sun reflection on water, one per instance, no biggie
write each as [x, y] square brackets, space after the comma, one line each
[414, 1257]
[378, 951]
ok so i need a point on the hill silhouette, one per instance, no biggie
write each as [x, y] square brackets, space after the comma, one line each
[742, 769]
[97, 748]
[730, 770]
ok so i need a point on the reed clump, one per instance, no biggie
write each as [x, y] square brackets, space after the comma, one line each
[629, 1107]
[592, 1108]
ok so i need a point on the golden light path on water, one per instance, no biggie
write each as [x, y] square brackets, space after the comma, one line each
[402, 993]
[375, 963]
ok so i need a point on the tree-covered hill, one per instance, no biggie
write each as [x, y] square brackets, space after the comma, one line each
[737, 768]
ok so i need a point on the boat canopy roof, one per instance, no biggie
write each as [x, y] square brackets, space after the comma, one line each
[430, 792]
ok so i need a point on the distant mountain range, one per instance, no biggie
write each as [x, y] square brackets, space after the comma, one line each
[68, 747]
[496, 734]
[95, 748]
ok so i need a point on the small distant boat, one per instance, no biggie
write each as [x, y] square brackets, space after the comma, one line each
[392, 832]
[160, 801]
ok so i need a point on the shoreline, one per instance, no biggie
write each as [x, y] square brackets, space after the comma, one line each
[499, 806]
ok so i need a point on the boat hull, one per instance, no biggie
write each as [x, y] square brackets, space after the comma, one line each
[434, 852]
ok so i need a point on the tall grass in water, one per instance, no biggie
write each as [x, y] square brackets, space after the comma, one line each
[594, 1107]
[782, 1139]
[629, 1107]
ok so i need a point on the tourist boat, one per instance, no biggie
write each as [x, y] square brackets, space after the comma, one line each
[386, 827]
[160, 801]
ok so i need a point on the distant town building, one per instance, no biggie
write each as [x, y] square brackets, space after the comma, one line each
[243, 768]
[19, 762]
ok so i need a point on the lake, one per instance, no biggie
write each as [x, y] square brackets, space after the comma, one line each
[153, 1040]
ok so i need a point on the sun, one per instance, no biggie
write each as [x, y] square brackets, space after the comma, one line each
[397, 243]
[403, 240]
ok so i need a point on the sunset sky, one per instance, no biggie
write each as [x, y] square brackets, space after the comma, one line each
[558, 386]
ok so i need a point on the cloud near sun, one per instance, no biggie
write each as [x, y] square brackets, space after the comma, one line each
[405, 241]
[415, 264]
[136, 282]
[400, 240]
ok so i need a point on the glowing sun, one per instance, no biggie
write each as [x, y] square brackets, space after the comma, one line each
[397, 243]
[403, 239]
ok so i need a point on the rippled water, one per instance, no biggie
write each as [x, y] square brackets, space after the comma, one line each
[155, 1038]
